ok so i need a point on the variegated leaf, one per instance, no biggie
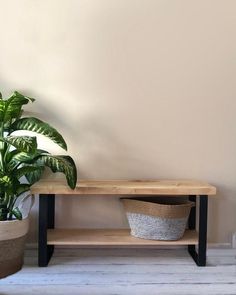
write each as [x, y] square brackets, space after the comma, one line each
[64, 164]
[11, 107]
[22, 171]
[16, 157]
[17, 213]
[35, 175]
[27, 144]
[38, 126]
[5, 180]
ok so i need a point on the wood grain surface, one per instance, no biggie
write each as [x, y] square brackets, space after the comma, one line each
[110, 237]
[124, 187]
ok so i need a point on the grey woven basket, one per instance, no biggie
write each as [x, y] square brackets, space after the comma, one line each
[156, 221]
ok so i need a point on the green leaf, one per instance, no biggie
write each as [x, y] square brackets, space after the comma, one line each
[64, 164]
[2, 109]
[35, 175]
[5, 180]
[11, 108]
[23, 157]
[27, 144]
[22, 97]
[3, 212]
[18, 156]
[17, 213]
[38, 126]
[9, 185]
[22, 171]
[15, 158]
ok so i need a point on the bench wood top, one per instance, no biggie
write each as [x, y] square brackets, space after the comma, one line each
[124, 187]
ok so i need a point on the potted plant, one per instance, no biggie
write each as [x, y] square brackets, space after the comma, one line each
[21, 157]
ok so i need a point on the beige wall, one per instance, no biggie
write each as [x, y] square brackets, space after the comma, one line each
[140, 89]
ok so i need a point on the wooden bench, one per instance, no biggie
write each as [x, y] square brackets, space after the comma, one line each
[49, 236]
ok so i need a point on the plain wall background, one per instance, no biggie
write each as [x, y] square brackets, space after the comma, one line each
[139, 89]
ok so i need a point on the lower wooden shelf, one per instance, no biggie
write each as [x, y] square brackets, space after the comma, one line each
[110, 237]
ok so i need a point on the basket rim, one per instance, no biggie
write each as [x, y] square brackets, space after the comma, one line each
[12, 229]
[185, 204]
[158, 210]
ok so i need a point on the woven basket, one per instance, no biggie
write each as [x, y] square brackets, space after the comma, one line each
[155, 221]
[12, 242]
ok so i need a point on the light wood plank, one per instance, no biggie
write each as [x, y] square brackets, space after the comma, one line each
[110, 237]
[125, 187]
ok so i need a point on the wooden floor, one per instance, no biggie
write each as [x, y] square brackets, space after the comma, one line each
[133, 271]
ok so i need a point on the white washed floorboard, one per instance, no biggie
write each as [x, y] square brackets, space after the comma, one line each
[116, 260]
[129, 256]
[222, 260]
[108, 278]
[130, 289]
[124, 252]
[103, 272]
[187, 260]
[127, 269]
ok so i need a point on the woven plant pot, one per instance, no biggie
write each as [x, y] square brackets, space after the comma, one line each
[154, 221]
[12, 242]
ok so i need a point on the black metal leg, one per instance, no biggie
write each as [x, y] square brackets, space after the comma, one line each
[200, 256]
[202, 239]
[192, 221]
[46, 220]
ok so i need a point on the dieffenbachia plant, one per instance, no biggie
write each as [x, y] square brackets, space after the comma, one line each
[20, 156]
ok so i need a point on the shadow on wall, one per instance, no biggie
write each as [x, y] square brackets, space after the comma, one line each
[97, 150]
